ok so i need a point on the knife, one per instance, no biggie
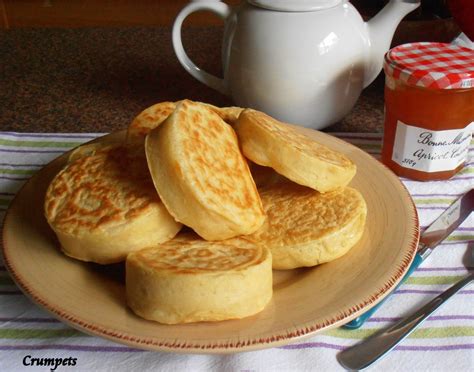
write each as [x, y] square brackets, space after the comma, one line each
[439, 230]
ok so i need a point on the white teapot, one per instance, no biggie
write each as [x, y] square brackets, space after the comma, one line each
[301, 61]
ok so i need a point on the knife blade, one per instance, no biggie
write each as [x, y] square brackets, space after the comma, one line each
[434, 234]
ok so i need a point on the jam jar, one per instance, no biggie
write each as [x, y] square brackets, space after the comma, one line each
[429, 109]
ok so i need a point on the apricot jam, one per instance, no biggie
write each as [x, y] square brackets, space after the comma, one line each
[429, 108]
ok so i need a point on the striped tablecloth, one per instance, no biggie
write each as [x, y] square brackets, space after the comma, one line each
[444, 342]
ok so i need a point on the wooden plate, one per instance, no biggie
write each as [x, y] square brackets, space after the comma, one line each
[91, 297]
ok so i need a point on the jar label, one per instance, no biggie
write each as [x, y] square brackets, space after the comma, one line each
[429, 150]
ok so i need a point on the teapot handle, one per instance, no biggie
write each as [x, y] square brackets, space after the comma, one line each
[223, 11]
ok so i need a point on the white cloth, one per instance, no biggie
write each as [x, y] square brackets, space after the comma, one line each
[444, 342]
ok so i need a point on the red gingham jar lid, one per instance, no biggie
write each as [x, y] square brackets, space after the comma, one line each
[431, 65]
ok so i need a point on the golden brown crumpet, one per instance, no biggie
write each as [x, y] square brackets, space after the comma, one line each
[189, 279]
[268, 142]
[228, 114]
[149, 119]
[89, 149]
[201, 175]
[307, 228]
[104, 205]
[153, 116]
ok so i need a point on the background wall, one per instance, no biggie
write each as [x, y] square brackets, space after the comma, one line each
[87, 13]
[84, 13]
[430, 22]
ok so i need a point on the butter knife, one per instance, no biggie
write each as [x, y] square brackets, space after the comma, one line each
[439, 230]
[363, 354]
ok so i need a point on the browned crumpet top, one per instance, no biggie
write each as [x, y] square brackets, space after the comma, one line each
[156, 114]
[190, 254]
[299, 141]
[228, 114]
[298, 214]
[110, 187]
[150, 118]
[215, 164]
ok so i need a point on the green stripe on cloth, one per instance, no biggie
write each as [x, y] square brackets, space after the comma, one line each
[467, 171]
[434, 201]
[429, 280]
[19, 171]
[438, 332]
[7, 333]
[458, 238]
[14, 143]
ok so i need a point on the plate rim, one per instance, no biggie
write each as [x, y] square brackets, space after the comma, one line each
[276, 339]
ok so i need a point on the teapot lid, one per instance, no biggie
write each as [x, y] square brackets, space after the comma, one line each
[295, 5]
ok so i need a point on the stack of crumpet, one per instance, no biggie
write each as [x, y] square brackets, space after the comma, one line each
[103, 205]
[253, 193]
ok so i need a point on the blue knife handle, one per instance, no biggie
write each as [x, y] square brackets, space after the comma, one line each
[357, 322]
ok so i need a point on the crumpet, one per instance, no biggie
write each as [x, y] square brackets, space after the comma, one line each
[104, 205]
[228, 114]
[201, 175]
[156, 114]
[268, 142]
[90, 149]
[149, 119]
[188, 279]
[307, 228]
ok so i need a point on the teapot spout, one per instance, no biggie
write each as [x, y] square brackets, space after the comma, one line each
[380, 31]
